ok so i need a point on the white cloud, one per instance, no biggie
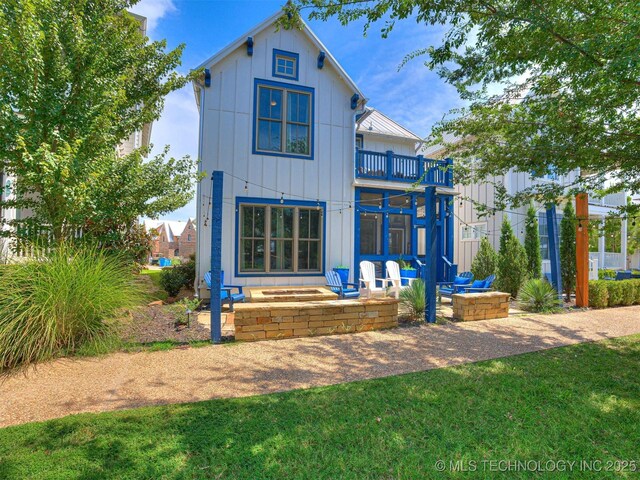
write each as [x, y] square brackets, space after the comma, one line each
[154, 10]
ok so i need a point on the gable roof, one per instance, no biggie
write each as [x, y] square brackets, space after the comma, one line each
[374, 122]
[240, 41]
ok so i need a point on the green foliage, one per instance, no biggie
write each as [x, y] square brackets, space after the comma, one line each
[628, 292]
[598, 294]
[512, 262]
[616, 294]
[568, 267]
[413, 297]
[571, 402]
[174, 278]
[565, 73]
[613, 293]
[77, 81]
[532, 244]
[181, 308]
[605, 273]
[486, 260]
[58, 304]
[404, 265]
[538, 295]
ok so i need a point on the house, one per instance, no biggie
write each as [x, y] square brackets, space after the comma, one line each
[313, 178]
[606, 250]
[172, 238]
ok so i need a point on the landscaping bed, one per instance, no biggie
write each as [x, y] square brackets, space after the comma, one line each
[157, 323]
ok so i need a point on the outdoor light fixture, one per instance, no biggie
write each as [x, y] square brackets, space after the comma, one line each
[188, 312]
[282, 197]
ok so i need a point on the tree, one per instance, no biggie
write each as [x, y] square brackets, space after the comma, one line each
[78, 79]
[568, 266]
[486, 260]
[567, 78]
[532, 244]
[512, 261]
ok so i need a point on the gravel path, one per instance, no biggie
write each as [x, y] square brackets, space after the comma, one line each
[127, 380]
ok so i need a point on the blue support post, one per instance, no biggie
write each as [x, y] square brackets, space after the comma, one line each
[448, 229]
[554, 248]
[449, 172]
[216, 255]
[389, 164]
[430, 250]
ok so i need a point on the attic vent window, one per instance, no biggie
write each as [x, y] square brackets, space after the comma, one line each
[285, 64]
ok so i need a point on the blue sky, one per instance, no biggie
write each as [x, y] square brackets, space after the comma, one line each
[414, 96]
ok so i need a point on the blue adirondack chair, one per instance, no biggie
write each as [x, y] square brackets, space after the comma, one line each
[225, 291]
[335, 284]
[479, 286]
[625, 275]
[460, 282]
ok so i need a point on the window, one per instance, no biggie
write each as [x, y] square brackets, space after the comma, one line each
[359, 141]
[283, 120]
[399, 234]
[473, 231]
[189, 238]
[285, 64]
[543, 229]
[280, 239]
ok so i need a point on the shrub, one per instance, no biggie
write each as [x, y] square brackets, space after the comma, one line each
[615, 292]
[58, 304]
[598, 294]
[568, 265]
[485, 261]
[532, 244]
[628, 292]
[538, 295]
[605, 273]
[512, 262]
[174, 278]
[171, 280]
[413, 297]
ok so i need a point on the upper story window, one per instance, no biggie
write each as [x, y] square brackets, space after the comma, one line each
[285, 64]
[283, 120]
[474, 231]
[359, 141]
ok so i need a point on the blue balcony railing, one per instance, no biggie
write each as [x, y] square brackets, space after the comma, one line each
[402, 168]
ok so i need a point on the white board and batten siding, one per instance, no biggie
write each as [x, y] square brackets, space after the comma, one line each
[226, 144]
[484, 193]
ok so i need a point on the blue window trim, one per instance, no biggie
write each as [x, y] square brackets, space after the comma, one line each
[284, 53]
[287, 203]
[289, 86]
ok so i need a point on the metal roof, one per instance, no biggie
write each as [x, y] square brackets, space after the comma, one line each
[375, 122]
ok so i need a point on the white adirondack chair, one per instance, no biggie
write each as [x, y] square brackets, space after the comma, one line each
[394, 279]
[368, 280]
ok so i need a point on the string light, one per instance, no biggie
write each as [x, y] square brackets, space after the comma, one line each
[282, 197]
[246, 186]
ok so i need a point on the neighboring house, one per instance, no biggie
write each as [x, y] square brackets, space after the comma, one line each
[136, 140]
[470, 227]
[172, 238]
[282, 119]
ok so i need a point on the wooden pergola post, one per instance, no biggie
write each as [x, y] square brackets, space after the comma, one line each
[582, 250]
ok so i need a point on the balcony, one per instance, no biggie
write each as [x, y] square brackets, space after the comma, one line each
[392, 167]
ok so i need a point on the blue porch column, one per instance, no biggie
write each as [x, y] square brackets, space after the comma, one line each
[430, 270]
[449, 224]
[216, 255]
[554, 247]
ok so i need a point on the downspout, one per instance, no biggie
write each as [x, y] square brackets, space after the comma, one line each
[199, 192]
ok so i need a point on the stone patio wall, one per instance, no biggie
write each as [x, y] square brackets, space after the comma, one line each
[260, 321]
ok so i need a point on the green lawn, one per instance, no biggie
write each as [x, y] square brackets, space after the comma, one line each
[574, 403]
